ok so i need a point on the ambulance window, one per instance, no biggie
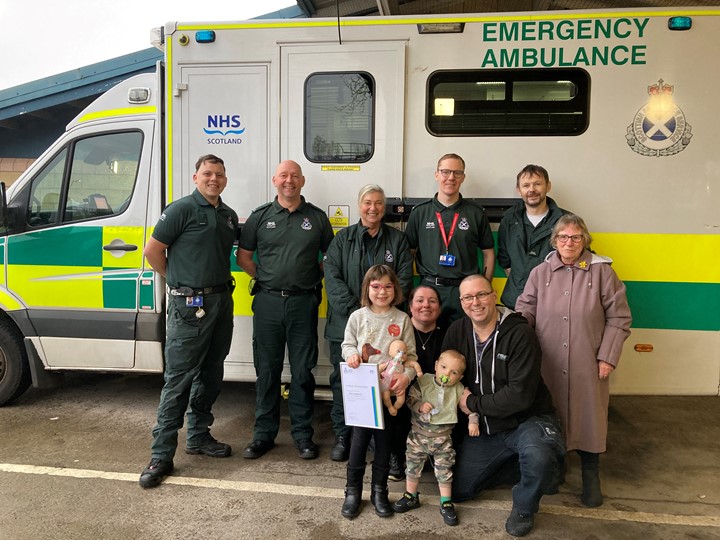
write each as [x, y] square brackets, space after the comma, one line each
[539, 102]
[44, 207]
[102, 175]
[339, 117]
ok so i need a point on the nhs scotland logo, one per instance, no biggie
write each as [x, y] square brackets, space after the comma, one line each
[227, 127]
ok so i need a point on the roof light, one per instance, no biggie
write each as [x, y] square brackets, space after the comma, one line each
[441, 28]
[138, 95]
[680, 23]
[205, 36]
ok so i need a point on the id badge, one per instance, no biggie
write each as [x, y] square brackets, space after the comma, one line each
[194, 301]
[447, 260]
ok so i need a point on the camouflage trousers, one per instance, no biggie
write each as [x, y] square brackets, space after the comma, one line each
[419, 447]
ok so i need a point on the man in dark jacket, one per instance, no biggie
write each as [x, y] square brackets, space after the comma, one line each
[517, 420]
[524, 232]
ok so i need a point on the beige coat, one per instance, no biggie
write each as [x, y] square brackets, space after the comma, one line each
[581, 315]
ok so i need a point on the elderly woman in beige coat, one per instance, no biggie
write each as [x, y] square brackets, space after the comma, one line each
[581, 316]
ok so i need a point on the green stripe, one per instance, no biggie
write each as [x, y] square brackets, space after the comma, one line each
[674, 306]
[70, 246]
[119, 290]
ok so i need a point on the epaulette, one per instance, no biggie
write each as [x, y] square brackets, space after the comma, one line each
[263, 206]
[426, 201]
[311, 205]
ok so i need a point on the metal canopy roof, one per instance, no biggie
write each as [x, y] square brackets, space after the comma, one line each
[347, 8]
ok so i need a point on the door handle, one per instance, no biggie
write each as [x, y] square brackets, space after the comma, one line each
[120, 247]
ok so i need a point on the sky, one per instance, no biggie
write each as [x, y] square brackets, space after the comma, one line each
[40, 38]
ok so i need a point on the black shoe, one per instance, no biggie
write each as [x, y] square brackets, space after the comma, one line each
[257, 449]
[397, 469]
[341, 450]
[307, 449]
[407, 502]
[447, 511]
[351, 505]
[153, 474]
[379, 499]
[210, 447]
[518, 524]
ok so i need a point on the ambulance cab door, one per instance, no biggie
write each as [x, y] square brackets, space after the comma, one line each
[74, 257]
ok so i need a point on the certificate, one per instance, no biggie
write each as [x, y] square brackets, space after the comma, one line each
[362, 400]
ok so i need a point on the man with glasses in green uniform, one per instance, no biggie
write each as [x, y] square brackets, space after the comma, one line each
[287, 236]
[446, 233]
[198, 227]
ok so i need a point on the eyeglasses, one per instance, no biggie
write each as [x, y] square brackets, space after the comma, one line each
[563, 238]
[377, 287]
[445, 173]
[470, 298]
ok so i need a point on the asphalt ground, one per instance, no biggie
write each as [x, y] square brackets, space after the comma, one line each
[70, 458]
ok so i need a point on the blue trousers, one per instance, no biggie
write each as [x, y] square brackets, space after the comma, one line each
[538, 446]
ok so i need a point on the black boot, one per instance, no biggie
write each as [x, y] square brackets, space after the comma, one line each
[351, 506]
[591, 495]
[379, 499]
[353, 492]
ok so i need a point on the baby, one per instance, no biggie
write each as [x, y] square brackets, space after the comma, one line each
[434, 402]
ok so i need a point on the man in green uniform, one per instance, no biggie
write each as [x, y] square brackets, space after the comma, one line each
[199, 227]
[446, 232]
[287, 236]
[525, 229]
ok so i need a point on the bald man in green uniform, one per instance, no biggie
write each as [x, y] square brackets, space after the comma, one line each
[288, 236]
[199, 227]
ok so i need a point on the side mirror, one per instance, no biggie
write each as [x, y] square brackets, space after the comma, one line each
[3, 208]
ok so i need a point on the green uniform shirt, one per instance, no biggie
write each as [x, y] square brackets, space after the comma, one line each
[472, 232]
[287, 244]
[199, 237]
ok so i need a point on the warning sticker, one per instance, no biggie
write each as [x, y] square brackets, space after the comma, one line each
[339, 216]
[341, 168]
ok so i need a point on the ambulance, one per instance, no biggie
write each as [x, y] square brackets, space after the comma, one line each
[620, 106]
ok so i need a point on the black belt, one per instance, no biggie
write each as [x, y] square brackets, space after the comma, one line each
[283, 292]
[442, 281]
[191, 291]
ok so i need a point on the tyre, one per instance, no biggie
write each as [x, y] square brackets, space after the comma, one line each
[14, 368]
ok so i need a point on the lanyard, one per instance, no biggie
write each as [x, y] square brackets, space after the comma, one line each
[447, 238]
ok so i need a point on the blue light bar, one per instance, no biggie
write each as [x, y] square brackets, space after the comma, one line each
[679, 23]
[205, 36]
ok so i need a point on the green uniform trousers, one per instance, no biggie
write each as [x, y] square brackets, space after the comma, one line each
[337, 412]
[195, 351]
[450, 302]
[279, 321]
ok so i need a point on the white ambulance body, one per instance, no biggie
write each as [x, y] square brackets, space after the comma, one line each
[620, 108]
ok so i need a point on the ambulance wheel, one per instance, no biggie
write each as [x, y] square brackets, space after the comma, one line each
[14, 368]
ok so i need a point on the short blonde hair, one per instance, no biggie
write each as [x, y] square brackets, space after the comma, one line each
[370, 188]
[457, 355]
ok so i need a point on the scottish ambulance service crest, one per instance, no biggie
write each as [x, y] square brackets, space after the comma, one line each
[660, 127]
